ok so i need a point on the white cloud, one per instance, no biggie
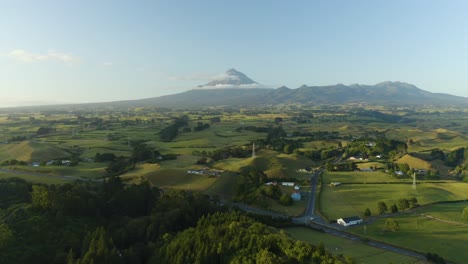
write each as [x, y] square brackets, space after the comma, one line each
[231, 86]
[107, 64]
[50, 55]
[203, 77]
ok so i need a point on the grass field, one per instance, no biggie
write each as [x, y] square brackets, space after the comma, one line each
[415, 162]
[296, 209]
[47, 179]
[224, 187]
[32, 151]
[178, 179]
[83, 169]
[420, 232]
[360, 252]
[352, 199]
[358, 177]
[273, 164]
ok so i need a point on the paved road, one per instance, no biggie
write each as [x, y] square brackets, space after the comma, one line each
[334, 230]
[310, 209]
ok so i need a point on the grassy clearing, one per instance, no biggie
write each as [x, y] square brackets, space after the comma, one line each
[273, 164]
[414, 162]
[296, 209]
[140, 173]
[358, 177]
[33, 151]
[84, 170]
[179, 179]
[451, 212]
[360, 252]
[425, 234]
[353, 199]
[46, 179]
[224, 187]
[366, 165]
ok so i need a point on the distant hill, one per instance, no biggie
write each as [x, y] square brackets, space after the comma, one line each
[234, 88]
[385, 93]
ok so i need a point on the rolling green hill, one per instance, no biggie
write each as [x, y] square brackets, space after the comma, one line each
[33, 151]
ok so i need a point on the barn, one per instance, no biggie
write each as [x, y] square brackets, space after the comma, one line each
[348, 221]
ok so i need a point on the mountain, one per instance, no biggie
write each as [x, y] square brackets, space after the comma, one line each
[240, 90]
[231, 79]
[385, 93]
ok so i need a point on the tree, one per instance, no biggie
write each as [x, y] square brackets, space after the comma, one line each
[101, 249]
[288, 149]
[413, 202]
[41, 197]
[382, 207]
[394, 208]
[391, 225]
[403, 204]
[367, 212]
[6, 235]
[286, 200]
[434, 258]
[278, 120]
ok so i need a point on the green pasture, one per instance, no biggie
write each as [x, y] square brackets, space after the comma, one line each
[179, 179]
[451, 212]
[31, 151]
[352, 199]
[358, 177]
[224, 187]
[359, 251]
[83, 169]
[296, 209]
[140, 173]
[319, 144]
[46, 179]
[215, 137]
[419, 231]
[275, 165]
[366, 165]
[175, 178]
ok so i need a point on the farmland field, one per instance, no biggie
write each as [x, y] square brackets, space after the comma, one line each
[359, 251]
[419, 231]
[352, 199]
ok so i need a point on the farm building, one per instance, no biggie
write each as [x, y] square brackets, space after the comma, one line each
[348, 221]
[287, 183]
[296, 196]
[399, 173]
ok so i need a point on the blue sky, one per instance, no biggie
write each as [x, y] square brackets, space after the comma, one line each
[88, 51]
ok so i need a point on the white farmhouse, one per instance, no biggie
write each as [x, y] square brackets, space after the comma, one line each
[348, 221]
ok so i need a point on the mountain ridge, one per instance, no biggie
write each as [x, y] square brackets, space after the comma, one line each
[236, 89]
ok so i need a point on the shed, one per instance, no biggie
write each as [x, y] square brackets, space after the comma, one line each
[296, 196]
[348, 221]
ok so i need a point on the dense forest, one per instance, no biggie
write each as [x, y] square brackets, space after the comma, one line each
[114, 222]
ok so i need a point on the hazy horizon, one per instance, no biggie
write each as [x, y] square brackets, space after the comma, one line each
[57, 52]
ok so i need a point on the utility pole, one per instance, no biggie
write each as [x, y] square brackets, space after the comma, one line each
[253, 149]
